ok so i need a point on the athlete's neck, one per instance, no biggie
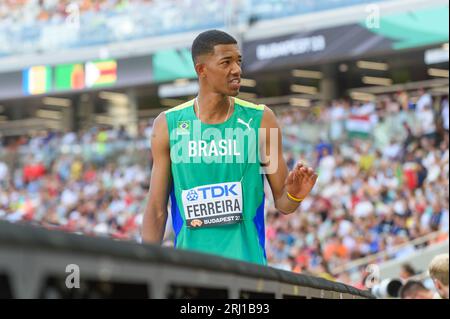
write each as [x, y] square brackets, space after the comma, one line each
[213, 107]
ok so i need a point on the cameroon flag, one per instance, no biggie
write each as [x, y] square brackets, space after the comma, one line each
[101, 73]
[69, 76]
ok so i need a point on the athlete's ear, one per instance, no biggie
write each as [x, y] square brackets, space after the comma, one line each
[200, 69]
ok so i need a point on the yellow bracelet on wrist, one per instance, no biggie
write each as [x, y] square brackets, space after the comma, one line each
[295, 199]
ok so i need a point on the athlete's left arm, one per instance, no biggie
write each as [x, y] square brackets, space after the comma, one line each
[298, 182]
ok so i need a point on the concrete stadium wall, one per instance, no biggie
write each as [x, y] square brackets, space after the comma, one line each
[419, 260]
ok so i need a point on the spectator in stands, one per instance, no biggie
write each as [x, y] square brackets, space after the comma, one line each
[410, 136]
[445, 115]
[323, 149]
[337, 117]
[4, 173]
[403, 99]
[424, 101]
[427, 122]
[438, 270]
[91, 19]
[413, 289]
[407, 271]
[326, 166]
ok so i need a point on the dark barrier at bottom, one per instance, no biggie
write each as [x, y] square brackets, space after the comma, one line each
[40, 263]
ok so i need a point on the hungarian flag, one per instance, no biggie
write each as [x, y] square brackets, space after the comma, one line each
[101, 73]
[358, 126]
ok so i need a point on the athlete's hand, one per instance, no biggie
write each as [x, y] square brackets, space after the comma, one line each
[300, 181]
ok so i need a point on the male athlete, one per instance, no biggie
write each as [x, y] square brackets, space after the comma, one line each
[204, 160]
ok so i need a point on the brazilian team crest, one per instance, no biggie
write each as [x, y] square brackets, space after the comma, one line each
[183, 127]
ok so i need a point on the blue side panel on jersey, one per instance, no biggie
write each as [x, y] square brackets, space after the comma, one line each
[177, 221]
[259, 223]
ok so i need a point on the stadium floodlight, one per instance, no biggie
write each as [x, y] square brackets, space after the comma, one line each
[170, 102]
[440, 89]
[300, 102]
[246, 95]
[49, 114]
[378, 66]
[181, 82]
[56, 101]
[104, 119]
[248, 82]
[114, 97]
[343, 67]
[442, 73]
[303, 89]
[362, 96]
[433, 56]
[56, 125]
[308, 74]
[376, 80]
[182, 88]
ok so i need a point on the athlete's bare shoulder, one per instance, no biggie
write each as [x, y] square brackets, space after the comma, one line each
[160, 133]
[269, 119]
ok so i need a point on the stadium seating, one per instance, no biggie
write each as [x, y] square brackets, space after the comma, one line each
[40, 26]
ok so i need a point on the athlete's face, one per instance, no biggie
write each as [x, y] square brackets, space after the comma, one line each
[222, 69]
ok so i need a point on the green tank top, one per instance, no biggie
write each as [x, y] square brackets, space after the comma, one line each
[217, 195]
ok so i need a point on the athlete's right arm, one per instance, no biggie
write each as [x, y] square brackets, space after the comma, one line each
[155, 215]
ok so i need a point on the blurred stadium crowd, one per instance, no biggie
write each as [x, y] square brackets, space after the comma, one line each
[372, 194]
[46, 25]
[375, 191]
[43, 25]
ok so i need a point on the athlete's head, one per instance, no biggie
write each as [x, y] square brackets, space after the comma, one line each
[438, 269]
[217, 61]
[413, 289]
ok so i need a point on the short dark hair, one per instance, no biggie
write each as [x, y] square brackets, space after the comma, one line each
[205, 42]
[411, 286]
[409, 269]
